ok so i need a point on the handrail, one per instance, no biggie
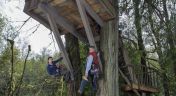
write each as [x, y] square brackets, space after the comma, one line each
[137, 65]
[145, 75]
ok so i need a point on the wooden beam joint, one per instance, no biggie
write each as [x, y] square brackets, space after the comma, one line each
[92, 13]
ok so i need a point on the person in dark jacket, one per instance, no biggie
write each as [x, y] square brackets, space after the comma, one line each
[52, 67]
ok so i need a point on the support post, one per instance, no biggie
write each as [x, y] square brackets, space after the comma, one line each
[60, 44]
[87, 27]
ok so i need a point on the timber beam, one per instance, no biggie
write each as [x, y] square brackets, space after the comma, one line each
[84, 17]
[139, 87]
[28, 10]
[46, 8]
[92, 13]
[34, 16]
[57, 35]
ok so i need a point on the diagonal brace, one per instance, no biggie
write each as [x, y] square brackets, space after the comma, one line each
[57, 35]
[87, 27]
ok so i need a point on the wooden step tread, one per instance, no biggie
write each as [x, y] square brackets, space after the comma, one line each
[140, 87]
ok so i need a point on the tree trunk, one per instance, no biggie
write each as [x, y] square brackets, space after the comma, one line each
[170, 37]
[140, 40]
[158, 46]
[139, 32]
[72, 47]
[109, 84]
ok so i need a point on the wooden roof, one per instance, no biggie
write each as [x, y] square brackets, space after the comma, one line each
[67, 9]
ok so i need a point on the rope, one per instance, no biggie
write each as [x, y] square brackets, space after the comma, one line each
[53, 40]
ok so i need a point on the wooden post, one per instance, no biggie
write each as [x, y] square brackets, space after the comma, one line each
[87, 27]
[60, 44]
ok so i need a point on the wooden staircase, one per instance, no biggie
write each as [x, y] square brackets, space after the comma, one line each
[139, 78]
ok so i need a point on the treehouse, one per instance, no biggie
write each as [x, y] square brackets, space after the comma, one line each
[83, 19]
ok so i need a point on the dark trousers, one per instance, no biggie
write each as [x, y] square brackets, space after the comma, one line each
[92, 78]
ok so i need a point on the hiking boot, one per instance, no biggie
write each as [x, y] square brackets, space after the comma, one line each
[79, 92]
[84, 77]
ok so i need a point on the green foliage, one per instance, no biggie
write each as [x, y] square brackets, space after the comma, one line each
[36, 81]
[83, 55]
[133, 53]
[2, 24]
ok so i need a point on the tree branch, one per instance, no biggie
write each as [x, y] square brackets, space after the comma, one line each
[23, 24]
[17, 88]
[10, 92]
[132, 41]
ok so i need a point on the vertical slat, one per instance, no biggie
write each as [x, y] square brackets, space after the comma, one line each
[156, 80]
[87, 27]
[60, 44]
[145, 80]
[153, 78]
[150, 77]
[140, 79]
[147, 74]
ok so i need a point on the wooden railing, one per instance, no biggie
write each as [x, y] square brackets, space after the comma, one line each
[142, 75]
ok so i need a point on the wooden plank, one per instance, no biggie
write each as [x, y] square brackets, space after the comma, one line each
[33, 4]
[92, 13]
[86, 23]
[87, 27]
[35, 16]
[56, 2]
[38, 18]
[46, 8]
[128, 82]
[57, 35]
[140, 88]
[108, 7]
[27, 5]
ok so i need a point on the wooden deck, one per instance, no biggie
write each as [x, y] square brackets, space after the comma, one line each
[140, 88]
[68, 10]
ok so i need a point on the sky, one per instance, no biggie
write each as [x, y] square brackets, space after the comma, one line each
[13, 10]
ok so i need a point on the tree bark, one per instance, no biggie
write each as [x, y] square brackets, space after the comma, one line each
[139, 32]
[109, 84]
[72, 47]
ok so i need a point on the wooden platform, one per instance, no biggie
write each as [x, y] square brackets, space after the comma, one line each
[68, 10]
[140, 88]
